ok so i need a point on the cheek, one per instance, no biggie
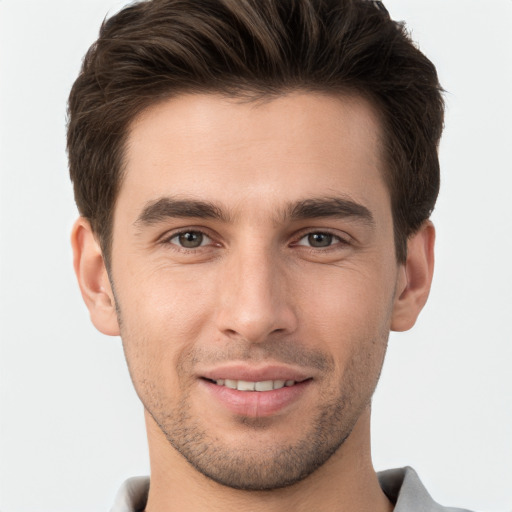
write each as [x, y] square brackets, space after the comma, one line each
[170, 301]
[349, 313]
[339, 299]
[161, 318]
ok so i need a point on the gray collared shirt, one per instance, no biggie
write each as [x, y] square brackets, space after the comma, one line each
[402, 486]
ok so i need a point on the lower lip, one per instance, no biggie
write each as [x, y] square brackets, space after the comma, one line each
[256, 404]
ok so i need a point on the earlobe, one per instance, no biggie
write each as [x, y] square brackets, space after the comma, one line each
[93, 279]
[415, 278]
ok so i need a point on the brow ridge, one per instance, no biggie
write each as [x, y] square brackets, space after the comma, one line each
[334, 207]
[327, 207]
[169, 207]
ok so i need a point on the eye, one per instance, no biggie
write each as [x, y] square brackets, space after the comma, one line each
[319, 240]
[190, 239]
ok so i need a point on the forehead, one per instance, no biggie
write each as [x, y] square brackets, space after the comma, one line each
[238, 153]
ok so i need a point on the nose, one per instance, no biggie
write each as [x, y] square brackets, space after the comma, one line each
[255, 299]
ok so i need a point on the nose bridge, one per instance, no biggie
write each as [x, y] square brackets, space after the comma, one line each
[255, 299]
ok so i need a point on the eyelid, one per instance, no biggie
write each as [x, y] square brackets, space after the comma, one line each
[205, 241]
[169, 235]
[343, 239]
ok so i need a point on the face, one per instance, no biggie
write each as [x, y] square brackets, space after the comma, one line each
[255, 278]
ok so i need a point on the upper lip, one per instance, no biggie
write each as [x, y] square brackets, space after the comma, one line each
[254, 373]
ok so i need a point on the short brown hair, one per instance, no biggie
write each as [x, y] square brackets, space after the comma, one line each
[155, 49]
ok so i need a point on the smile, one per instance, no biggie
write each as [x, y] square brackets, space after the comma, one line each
[255, 398]
[263, 385]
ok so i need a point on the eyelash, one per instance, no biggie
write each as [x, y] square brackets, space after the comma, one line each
[167, 240]
[337, 240]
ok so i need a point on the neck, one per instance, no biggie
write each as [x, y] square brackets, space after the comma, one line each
[346, 482]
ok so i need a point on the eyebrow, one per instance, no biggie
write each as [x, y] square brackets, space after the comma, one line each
[169, 207]
[330, 207]
[313, 208]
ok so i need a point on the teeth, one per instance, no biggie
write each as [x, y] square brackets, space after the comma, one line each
[264, 385]
[230, 383]
[278, 384]
[244, 385]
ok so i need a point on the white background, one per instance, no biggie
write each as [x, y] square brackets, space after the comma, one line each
[71, 426]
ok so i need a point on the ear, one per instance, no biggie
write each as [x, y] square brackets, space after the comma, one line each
[415, 278]
[92, 278]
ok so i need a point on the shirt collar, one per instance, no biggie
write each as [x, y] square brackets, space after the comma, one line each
[402, 486]
[132, 496]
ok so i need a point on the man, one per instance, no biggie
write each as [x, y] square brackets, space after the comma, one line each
[255, 181]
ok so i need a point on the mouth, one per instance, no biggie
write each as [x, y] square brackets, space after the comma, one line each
[255, 393]
[261, 385]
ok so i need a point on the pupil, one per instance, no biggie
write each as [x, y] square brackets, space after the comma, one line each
[191, 240]
[320, 239]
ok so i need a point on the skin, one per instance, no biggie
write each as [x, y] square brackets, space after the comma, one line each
[315, 294]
